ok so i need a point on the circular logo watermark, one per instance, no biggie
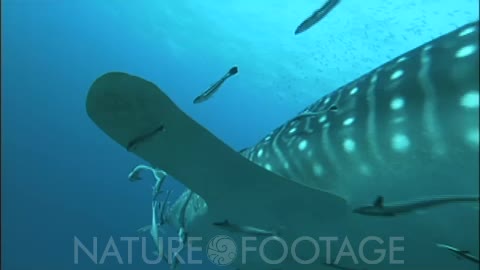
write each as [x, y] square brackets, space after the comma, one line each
[221, 250]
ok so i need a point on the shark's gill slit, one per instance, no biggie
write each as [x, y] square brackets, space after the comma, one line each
[333, 108]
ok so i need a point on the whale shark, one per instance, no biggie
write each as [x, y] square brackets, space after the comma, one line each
[410, 125]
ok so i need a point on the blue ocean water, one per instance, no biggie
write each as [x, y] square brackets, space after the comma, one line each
[63, 178]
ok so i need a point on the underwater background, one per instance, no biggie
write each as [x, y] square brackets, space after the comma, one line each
[62, 177]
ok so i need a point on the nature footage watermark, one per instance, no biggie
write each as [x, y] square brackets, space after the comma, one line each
[223, 250]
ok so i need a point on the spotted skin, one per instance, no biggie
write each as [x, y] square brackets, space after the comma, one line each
[415, 116]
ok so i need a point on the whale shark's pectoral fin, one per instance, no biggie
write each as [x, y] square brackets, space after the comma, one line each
[131, 110]
[378, 202]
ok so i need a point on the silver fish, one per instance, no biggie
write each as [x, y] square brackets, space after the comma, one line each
[214, 88]
[316, 16]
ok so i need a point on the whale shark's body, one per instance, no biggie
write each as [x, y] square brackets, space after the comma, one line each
[415, 117]
[408, 127]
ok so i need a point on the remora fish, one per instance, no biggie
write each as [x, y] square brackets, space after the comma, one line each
[158, 174]
[182, 234]
[143, 138]
[163, 207]
[226, 225]
[316, 16]
[135, 175]
[161, 216]
[214, 88]
[412, 121]
[160, 177]
[462, 253]
[149, 227]
[380, 209]
[153, 226]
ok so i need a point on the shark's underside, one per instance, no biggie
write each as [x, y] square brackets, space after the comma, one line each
[408, 127]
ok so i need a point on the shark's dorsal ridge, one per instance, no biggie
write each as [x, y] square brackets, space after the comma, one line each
[129, 108]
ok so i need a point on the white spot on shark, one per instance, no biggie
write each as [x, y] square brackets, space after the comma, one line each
[397, 103]
[348, 121]
[292, 130]
[472, 137]
[397, 74]
[268, 166]
[268, 138]
[286, 165]
[466, 31]
[398, 120]
[365, 170]
[322, 119]
[317, 169]
[470, 100]
[326, 100]
[374, 78]
[401, 59]
[302, 145]
[427, 47]
[466, 51]
[400, 142]
[260, 153]
[349, 145]
[354, 91]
